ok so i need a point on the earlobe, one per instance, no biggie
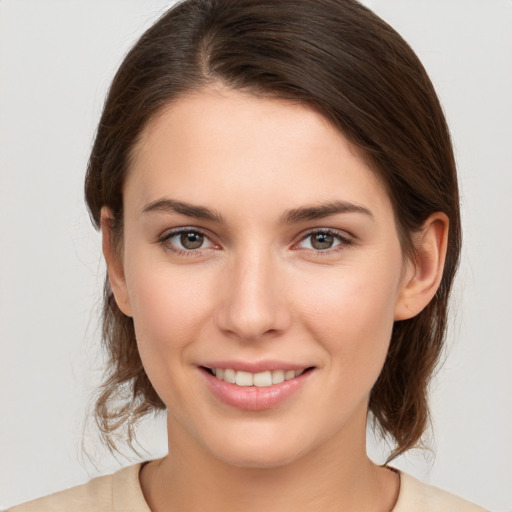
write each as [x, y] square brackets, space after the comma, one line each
[424, 272]
[113, 259]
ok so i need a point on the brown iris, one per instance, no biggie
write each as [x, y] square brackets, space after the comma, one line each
[322, 241]
[191, 239]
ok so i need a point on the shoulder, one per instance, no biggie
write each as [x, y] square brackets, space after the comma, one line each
[110, 493]
[421, 497]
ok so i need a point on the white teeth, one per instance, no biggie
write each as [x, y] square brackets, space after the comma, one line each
[261, 380]
[289, 374]
[229, 376]
[278, 376]
[243, 378]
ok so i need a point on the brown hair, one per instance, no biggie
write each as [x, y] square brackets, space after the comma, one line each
[341, 59]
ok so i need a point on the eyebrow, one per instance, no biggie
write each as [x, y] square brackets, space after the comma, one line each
[190, 210]
[291, 216]
[321, 211]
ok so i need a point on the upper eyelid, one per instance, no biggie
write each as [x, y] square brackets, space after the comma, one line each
[334, 231]
[342, 234]
[169, 233]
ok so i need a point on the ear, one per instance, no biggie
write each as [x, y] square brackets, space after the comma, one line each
[114, 260]
[424, 270]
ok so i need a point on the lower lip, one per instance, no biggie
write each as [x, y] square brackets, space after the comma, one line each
[253, 398]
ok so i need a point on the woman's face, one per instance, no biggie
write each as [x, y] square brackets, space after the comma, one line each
[258, 246]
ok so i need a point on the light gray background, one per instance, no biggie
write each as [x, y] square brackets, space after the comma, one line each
[56, 61]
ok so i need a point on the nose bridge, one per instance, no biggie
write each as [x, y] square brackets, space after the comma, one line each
[252, 303]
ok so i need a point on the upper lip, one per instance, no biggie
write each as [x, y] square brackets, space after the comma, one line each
[255, 366]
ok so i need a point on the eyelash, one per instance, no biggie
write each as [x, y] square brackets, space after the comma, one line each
[344, 241]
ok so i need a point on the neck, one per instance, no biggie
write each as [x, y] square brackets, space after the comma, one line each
[335, 477]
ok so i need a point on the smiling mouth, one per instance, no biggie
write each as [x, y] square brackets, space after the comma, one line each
[261, 379]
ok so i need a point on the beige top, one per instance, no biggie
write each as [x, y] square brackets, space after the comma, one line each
[121, 492]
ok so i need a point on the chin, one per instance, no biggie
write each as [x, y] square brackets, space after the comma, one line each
[256, 458]
[263, 450]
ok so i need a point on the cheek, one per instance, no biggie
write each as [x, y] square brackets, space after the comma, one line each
[169, 305]
[352, 317]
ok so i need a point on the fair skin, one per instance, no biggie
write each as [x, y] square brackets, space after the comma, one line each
[289, 261]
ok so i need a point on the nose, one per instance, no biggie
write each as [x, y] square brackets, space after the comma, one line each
[253, 304]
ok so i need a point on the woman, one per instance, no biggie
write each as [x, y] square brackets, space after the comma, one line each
[276, 190]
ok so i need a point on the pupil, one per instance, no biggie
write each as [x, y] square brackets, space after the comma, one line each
[191, 240]
[322, 241]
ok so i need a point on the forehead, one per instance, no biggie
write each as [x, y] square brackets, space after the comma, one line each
[218, 114]
[218, 143]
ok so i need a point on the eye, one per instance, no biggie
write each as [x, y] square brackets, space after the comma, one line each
[323, 240]
[186, 240]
